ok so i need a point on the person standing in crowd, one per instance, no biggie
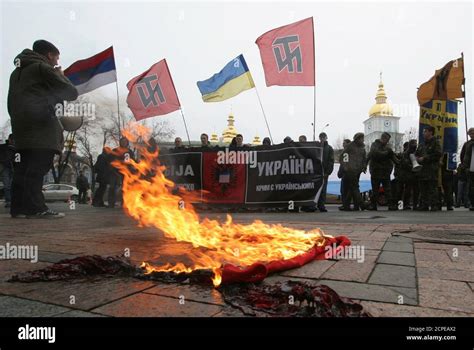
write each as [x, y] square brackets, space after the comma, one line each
[37, 85]
[239, 140]
[354, 162]
[340, 172]
[467, 163]
[7, 158]
[205, 140]
[302, 138]
[407, 178]
[287, 140]
[447, 179]
[178, 143]
[266, 141]
[428, 155]
[381, 158]
[462, 197]
[82, 185]
[102, 170]
[123, 154]
[328, 167]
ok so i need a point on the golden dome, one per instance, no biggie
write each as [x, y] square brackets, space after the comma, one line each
[214, 138]
[381, 108]
[230, 132]
[256, 141]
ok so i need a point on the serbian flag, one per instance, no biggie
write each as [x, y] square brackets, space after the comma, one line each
[152, 93]
[288, 54]
[93, 72]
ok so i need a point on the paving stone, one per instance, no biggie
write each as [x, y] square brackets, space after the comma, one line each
[351, 270]
[204, 294]
[79, 313]
[396, 258]
[447, 295]
[151, 305]
[88, 293]
[364, 291]
[17, 307]
[445, 274]
[431, 255]
[400, 239]
[378, 309]
[312, 270]
[394, 275]
[398, 247]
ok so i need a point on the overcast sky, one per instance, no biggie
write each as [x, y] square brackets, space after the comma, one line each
[354, 42]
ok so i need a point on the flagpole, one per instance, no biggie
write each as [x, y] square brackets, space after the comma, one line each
[465, 103]
[118, 107]
[185, 126]
[264, 115]
[314, 86]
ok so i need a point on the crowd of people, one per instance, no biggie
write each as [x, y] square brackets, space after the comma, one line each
[422, 178]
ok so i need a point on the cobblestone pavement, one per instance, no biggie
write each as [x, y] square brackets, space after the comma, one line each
[415, 264]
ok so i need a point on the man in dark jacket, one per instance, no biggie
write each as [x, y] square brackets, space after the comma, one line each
[428, 155]
[381, 158]
[36, 86]
[467, 163]
[328, 167]
[7, 159]
[354, 162]
[102, 171]
[82, 185]
[407, 178]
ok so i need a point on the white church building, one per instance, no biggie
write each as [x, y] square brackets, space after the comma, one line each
[381, 119]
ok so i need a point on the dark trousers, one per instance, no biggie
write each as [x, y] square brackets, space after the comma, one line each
[376, 182]
[27, 186]
[115, 190]
[82, 195]
[351, 190]
[428, 193]
[407, 190]
[322, 196]
[447, 181]
[99, 194]
[471, 188]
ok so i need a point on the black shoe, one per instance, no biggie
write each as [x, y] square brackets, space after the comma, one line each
[407, 208]
[392, 208]
[422, 209]
[449, 208]
[323, 210]
[471, 208]
[372, 208]
[47, 214]
[434, 209]
[345, 209]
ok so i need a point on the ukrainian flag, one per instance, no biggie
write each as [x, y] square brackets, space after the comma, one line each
[229, 82]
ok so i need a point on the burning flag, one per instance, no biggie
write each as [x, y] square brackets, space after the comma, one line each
[234, 252]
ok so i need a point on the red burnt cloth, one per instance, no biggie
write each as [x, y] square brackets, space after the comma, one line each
[258, 272]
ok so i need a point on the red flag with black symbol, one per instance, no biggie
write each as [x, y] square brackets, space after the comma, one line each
[287, 54]
[152, 93]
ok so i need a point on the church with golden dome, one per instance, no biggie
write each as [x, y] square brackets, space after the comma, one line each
[381, 119]
[229, 133]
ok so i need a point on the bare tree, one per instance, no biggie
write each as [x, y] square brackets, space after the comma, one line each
[5, 130]
[411, 133]
[339, 141]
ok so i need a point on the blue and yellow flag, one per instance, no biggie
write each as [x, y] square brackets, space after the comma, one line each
[229, 82]
[443, 116]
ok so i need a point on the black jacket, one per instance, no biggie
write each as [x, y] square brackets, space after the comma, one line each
[431, 153]
[35, 89]
[380, 160]
[356, 158]
[328, 159]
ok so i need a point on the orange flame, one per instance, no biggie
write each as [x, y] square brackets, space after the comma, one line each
[151, 202]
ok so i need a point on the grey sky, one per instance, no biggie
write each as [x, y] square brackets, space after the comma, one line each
[354, 41]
